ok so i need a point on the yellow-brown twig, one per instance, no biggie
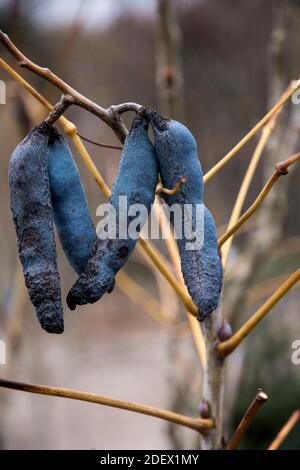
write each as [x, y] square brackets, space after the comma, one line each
[200, 425]
[239, 202]
[295, 86]
[259, 400]
[226, 347]
[285, 430]
[264, 288]
[155, 257]
[281, 169]
[140, 297]
[170, 192]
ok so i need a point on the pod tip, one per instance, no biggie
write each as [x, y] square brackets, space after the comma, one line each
[50, 318]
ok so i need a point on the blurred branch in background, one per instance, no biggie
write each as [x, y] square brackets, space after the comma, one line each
[170, 88]
[284, 141]
[63, 57]
[174, 256]
[264, 288]
[236, 211]
[281, 102]
[200, 425]
[227, 347]
[13, 327]
[281, 169]
[13, 324]
[285, 430]
[169, 72]
[148, 304]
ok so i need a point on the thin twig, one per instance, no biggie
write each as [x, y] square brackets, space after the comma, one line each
[281, 169]
[200, 425]
[239, 202]
[142, 298]
[226, 347]
[181, 291]
[98, 144]
[259, 400]
[111, 115]
[170, 192]
[59, 109]
[295, 86]
[264, 288]
[285, 430]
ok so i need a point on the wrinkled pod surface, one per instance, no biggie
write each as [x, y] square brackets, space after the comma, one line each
[136, 181]
[176, 150]
[69, 203]
[31, 209]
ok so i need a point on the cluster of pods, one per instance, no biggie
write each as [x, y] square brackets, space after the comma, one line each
[46, 192]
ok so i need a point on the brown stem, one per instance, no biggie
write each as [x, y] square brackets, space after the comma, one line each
[59, 109]
[259, 400]
[111, 115]
[284, 431]
[213, 381]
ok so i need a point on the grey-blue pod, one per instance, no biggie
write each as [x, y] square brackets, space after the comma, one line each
[30, 203]
[136, 179]
[69, 203]
[176, 150]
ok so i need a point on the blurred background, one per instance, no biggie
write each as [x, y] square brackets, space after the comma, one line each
[217, 66]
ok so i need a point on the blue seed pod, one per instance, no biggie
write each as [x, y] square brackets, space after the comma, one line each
[31, 209]
[176, 150]
[136, 179]
[69, 203]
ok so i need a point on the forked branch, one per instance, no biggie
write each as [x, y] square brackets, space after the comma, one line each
[281, 169]
[59, 109]
[294, 87]
[111, 115]
[198, 424]
[226, 347]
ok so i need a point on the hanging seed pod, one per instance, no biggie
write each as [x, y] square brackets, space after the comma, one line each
[70, 207]
[176, 150]
[136, 180]
[31, 209]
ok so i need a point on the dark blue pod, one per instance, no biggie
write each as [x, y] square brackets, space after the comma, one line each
[136, 179]
[70, 208]
[176, 150]
[31, 209]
